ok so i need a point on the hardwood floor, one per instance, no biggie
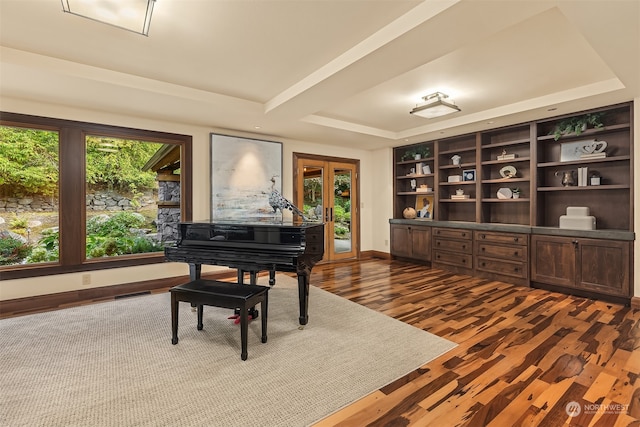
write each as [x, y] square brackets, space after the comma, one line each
[523, 354]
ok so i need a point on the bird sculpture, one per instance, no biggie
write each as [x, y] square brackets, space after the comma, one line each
[278, 202]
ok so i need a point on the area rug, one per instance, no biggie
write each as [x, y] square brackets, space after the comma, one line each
[113, 364]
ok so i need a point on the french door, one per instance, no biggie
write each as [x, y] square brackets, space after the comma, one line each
[327, 188]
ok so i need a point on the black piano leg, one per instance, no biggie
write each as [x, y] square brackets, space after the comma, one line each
[303, 296]
[272, 277]
[194, 271]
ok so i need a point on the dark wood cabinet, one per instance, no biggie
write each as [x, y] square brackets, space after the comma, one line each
[409, 241]
[453, 249]
[589, 265]
[502, 256]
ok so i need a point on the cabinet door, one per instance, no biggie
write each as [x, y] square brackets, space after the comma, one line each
[421, 240]
[604, 266]
[553, 260]
[401, 241]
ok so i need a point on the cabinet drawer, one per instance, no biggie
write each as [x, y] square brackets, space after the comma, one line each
[511, 252]
[508, 238]
[462, 246]
[452, 233]
[452, 258]
[505, 268]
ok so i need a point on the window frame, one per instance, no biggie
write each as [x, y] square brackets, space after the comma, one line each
[72, 190]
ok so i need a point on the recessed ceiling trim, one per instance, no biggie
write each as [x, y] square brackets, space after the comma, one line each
[348, 126]
[416, 16]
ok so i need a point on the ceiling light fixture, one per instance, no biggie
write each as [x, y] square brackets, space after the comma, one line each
[434, 106]
[130, 15]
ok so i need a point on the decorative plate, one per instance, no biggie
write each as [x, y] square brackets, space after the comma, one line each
[508, 172]
[504, 193]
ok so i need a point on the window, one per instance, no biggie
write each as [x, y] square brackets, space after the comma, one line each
[29, 220]
[113, 195]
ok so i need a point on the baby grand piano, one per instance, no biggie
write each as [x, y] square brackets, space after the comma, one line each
[251, 247]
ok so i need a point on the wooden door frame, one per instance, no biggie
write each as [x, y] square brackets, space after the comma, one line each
[355, 201]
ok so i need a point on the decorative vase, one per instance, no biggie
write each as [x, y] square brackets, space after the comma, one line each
[409, 213]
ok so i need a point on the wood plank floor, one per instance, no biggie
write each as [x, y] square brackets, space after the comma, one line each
[523, 356]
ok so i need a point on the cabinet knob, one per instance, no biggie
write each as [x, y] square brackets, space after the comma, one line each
[515, 239]
[515, 253]
[516, 269]
[483, 264]
[483, 236]
[464, 260]
[482, 249]
[464, 234]
[464, 246]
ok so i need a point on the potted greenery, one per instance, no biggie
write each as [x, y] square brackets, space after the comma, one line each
[515, 192]
[416, 153]
[577, 125]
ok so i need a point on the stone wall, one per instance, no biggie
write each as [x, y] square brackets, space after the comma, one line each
[168, 216]
[96, 201]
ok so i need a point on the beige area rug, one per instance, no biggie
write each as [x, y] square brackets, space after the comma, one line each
[112, 364]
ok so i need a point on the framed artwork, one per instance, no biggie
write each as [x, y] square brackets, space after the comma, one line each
[424, 206]
[244, 171]
[469, 175]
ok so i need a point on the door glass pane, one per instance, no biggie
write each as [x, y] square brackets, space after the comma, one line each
[29, 217]
[132, 196]
[342, 210]
[312, 183]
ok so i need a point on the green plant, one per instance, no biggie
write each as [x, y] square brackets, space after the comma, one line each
[577, 124]
[411, 153]
[515, 190]
[19, 223]
[12, 250]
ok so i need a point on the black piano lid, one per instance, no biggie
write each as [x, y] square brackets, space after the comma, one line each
[255, 222]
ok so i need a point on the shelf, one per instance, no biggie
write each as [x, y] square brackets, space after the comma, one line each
[587, 133]
[413, 161]
[460, 166]
[500, 162]
[495, 200]
[504, 180]
[458, 183]
[424, 175]
[412, 193]
[457, 200]
[586, 188]
[585, 161]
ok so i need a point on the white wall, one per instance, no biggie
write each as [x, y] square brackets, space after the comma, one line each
[18, 288]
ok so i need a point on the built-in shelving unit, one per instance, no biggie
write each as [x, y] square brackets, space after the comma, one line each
[488, 232]
[539, 159]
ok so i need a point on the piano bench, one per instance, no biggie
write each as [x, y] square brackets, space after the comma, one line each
[220, 294]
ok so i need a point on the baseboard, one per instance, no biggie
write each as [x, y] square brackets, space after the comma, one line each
[38, 303]
[375, 254]
[635, 303]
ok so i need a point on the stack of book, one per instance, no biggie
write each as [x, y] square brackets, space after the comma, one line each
[583, 176]
[459, 196]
